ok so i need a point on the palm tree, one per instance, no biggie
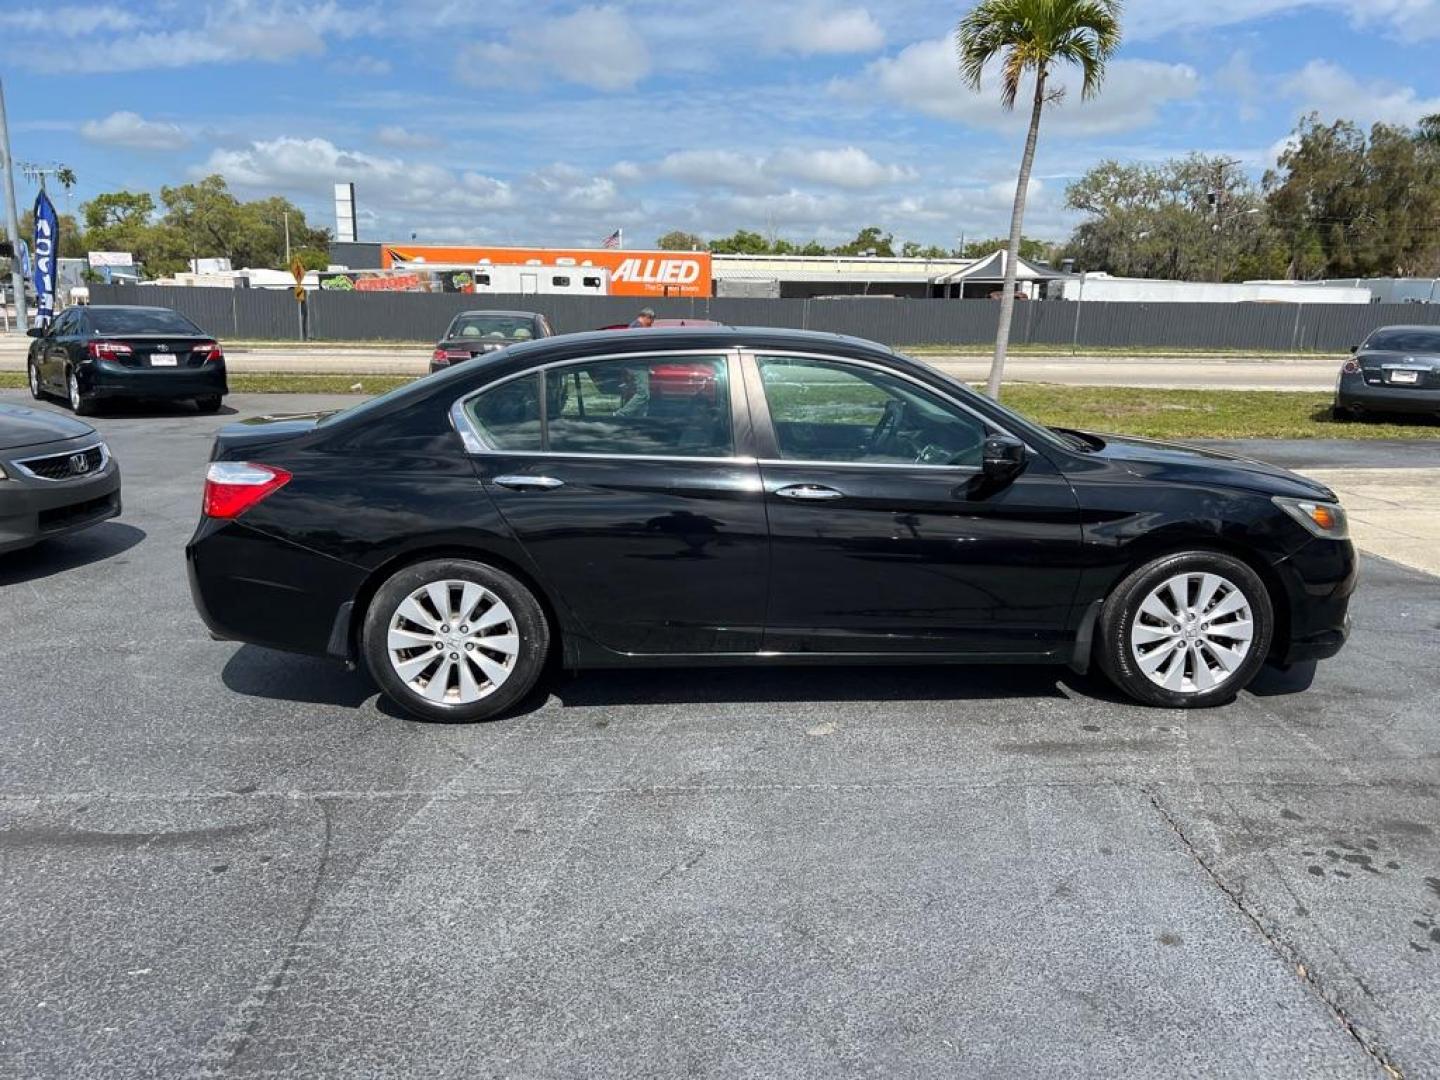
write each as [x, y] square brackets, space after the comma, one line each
[1030, 37]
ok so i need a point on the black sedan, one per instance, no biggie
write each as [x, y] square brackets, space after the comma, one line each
[56, 476]
[475, 333]
[1396, 370]
[743, 496]
[90, 355]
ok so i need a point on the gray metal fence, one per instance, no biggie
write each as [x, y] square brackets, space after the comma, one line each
[263, 314]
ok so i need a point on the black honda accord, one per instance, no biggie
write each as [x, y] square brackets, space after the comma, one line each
[743, 496]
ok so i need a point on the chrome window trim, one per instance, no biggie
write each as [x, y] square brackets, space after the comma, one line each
[984, 421]
[475, 442]
[104, 462]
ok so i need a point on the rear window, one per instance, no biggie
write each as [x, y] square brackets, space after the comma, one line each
[492, 328]
[140, 321]
[1427, 341]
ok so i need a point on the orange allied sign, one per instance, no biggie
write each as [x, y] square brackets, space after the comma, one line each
[632, 273]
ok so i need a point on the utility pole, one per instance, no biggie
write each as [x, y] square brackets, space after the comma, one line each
[1218, 201]
[287, 237]
[12, 219]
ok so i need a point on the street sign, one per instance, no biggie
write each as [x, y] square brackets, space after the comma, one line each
[300, 293]
[297, 270]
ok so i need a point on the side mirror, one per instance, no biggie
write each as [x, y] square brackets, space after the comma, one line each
[1002, 457]
[35, 331]
[1354, 349]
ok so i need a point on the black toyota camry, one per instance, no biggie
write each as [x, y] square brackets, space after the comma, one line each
[90, 355]
[745, 496]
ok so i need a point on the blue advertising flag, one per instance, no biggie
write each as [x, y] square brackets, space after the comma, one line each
[43, 260]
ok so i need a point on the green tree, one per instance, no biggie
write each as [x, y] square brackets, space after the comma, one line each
[1030, 248]
[72, 234]
[1351, 205]
[676, 240]
[1029, 38]
[1195, 218]
[742, 242]
[868, 240]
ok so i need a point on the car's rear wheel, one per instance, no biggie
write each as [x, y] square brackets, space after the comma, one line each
[81, 403]
[208, 404]
[454, 641]
[1341, 413]
[1186, 630]
[34, 377]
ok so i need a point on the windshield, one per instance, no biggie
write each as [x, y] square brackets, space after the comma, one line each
[141, 321]
[492, 328]
[1405, 340]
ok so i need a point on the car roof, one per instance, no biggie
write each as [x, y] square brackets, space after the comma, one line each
[129, 307]
[497, 311]
[648, 339]
[1432, 328]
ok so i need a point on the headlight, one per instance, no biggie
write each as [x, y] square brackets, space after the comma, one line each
[1323, 519]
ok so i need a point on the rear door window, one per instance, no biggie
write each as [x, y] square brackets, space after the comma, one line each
[671, 406]
[507, 416]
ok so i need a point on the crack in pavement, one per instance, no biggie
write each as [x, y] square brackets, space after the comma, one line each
[1286, 952]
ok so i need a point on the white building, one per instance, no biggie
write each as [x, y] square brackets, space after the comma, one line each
[1101, 286]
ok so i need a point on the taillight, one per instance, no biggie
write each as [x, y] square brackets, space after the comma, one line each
[232, 487]
[1350, 367]
[210, 352]
[107, 350]
[440, 356]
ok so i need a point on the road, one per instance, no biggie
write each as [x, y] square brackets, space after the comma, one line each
[1201, 373]
[222, 861]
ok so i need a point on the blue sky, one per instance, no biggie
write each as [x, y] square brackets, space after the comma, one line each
[548, 122]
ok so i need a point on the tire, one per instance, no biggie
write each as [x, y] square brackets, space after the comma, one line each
[1213, 660]
[209, 404]
[1340, 414]
[403, 624]
[81, 404]
[33, 377]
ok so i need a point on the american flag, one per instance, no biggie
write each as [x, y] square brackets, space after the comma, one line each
[613, 240]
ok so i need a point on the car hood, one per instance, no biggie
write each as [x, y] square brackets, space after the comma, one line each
[1194, 464]
[21, 426]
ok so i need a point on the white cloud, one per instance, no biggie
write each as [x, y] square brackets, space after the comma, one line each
[311, 165]
[924, 77]
[134, 132]
[843, 167]
[819, 28]
[1333, 92]
[1407, 20]
[847, 167]
[399, 138]
[596, 47]
[69, 20]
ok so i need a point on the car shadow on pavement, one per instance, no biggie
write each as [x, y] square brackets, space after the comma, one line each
[62, 553]
[265, 673]
[853, 682]
[155, 410]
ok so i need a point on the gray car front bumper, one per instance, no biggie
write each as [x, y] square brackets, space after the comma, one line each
[33, 509]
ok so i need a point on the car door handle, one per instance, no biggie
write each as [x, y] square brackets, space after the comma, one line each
[528, 483]
[809, 492]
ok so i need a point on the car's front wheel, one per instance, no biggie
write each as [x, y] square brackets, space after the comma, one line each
[453, 640]
[34, 377]
[1186, 630]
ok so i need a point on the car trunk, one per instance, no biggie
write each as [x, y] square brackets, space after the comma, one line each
[1419, 371]
[161, 350]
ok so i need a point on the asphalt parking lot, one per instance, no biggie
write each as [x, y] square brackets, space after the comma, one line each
[218, 860]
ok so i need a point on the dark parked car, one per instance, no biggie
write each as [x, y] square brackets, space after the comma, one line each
[790, 497]
[56, 476]
[90, 355]
[475, 333]
[1396, 370]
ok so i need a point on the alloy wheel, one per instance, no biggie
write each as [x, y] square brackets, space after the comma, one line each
[34, 381]
[453, 642]
[1192, 632]
[73, 384]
